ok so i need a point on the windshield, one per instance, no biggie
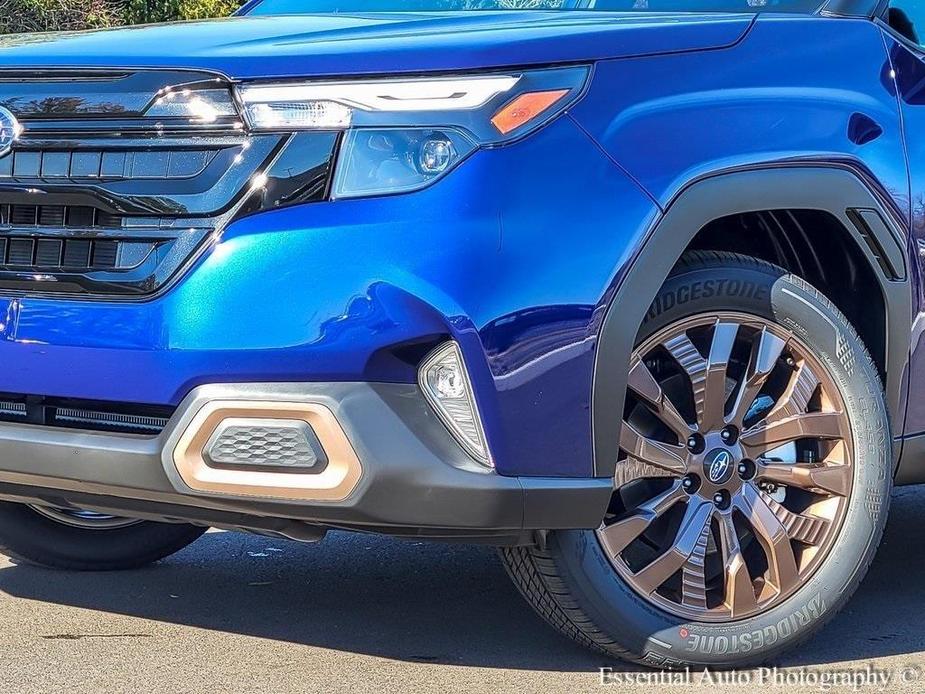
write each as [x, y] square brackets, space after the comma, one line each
[265, 7]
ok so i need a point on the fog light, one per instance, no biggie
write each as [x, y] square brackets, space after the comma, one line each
[446, 386]
[448, 382]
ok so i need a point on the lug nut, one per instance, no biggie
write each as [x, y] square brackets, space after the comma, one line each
[721, 499]
[729, 435]
[695, 443]
[689, 484]
[746, 469]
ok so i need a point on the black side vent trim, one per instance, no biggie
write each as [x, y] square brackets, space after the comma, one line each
[872, 228]
[89, 415]
[110, 421]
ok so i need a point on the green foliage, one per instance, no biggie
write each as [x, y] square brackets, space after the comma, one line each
[146, 11]
[51, 15]
[57, 15]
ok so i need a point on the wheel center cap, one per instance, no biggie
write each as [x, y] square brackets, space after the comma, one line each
[718, 465]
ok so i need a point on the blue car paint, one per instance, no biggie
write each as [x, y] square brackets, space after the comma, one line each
[320, 292]
[323, 45]
[910, 77]
[515, 254]
[773, 104]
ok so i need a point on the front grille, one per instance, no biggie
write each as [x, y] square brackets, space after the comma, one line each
[112, 165]
[70, 254]
[58, 217]
[89, 415]
[114, 184]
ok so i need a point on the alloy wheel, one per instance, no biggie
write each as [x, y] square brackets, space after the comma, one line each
[735, 472]
[80, 518]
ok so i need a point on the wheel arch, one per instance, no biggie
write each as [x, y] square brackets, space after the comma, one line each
[873, 226]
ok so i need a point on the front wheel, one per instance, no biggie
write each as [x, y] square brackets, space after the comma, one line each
[87, 541]
[752, 485]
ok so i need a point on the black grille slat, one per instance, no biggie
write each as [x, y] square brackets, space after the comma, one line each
[51, 216]
[72, 254]
[106, 220]
[60, 217]
[24, 215]
[79, 217]
[48, 252]
[105, 254]
[77, 253]
[21, 252]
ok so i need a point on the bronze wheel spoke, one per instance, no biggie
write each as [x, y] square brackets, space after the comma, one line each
[617, 536]
[707, 376]
[696, 516]
[739, 591]
[773, 537]
[796, 397]
[630, 469]
[714, 392]
[801, 527]
[656, 453]
[766, 350]
[645, 386]
[769, 434]
[821, 478]
[693, 575]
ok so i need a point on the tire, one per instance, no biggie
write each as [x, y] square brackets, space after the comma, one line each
[28, 535]
[575, 584]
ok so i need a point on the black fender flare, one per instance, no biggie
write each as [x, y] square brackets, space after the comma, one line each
[874, 224]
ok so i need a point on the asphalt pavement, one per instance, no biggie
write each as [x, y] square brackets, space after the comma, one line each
[357, 613]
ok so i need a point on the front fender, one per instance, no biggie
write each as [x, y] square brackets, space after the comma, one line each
[828, 188]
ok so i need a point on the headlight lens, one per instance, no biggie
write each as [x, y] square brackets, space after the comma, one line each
[403, 134]
[382, 161]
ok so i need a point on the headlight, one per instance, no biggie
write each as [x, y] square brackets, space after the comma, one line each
[375, 161]
[403, 134]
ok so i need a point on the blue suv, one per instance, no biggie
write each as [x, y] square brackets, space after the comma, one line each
[632, 289]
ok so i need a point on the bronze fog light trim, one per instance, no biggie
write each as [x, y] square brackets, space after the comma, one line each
[334, 483]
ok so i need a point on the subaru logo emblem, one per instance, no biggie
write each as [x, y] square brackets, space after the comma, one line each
[9, 131]
[718, 464]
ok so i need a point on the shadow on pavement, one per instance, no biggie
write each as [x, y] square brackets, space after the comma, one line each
[434, 603]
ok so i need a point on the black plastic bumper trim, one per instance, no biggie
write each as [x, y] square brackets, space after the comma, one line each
[417, 481]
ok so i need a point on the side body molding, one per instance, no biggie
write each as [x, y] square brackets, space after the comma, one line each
[833, 188]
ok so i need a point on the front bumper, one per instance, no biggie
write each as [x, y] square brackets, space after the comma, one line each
[411, 477]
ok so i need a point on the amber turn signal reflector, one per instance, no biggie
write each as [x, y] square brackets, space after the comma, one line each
[525, 108]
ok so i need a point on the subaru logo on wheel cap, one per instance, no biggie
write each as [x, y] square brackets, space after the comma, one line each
[9, 131]
[718, 465]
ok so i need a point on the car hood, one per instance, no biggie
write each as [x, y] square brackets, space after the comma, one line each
[337, 44]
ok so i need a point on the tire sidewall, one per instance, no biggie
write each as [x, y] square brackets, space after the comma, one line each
[664, 640]
[30, 536]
